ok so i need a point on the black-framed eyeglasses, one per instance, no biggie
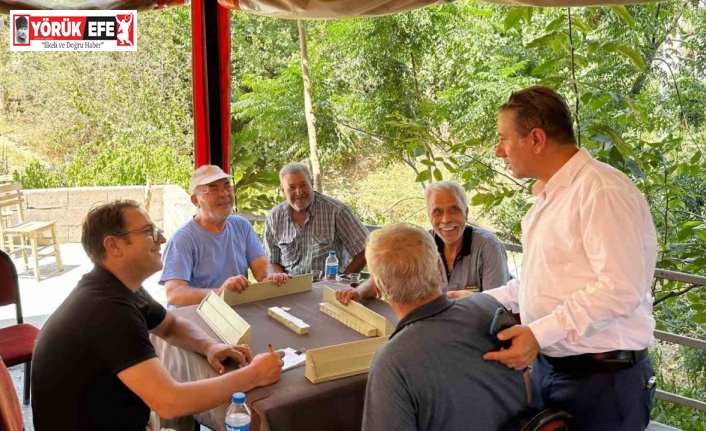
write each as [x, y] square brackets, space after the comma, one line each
[152, 231]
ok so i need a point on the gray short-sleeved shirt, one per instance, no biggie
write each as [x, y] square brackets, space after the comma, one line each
[431, 375]
[481, 263]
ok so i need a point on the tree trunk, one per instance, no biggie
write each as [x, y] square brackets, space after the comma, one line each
[309, 111]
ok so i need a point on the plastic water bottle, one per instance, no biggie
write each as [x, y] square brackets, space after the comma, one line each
[238, 414]
[331, 265]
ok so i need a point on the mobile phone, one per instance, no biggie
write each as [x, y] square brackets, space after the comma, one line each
[502, 320]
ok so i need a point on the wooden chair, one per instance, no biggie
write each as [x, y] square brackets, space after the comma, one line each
[16, 341]
[28, 233]
[10, 411]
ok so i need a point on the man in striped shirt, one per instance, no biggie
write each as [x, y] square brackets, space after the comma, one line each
[300, 232]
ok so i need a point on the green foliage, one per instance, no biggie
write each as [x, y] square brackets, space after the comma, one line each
[102, 118]
[38, 176]
[117, 164]
[681, 370]
[255, 185]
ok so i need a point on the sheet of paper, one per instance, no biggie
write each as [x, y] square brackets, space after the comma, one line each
[292, 358]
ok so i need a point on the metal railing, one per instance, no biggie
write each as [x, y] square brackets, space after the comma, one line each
[695, 343]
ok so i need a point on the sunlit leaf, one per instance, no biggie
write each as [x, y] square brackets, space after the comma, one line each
[513, 17]
[623, 13]
[437, 174]
[424, 175]
[633, 55]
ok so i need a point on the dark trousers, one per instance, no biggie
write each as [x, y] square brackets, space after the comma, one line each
[598, 401]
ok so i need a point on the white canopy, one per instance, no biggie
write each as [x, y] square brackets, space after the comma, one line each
[331, 9]
[295, 9]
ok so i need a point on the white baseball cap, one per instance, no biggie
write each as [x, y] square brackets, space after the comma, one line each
[206, 174]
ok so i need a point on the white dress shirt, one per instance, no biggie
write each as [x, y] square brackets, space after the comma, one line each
[589, 255]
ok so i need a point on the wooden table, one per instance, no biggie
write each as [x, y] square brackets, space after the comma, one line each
[293, 403]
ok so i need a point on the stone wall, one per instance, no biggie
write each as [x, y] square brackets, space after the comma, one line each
[68, 206]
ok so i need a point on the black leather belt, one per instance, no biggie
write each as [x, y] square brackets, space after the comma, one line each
[616, 360]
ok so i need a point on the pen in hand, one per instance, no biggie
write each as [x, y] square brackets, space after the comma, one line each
[271, 349]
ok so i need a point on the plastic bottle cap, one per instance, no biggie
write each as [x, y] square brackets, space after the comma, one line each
[332, 252]
[239, 398]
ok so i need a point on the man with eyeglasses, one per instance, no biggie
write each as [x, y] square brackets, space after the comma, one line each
[94, 367]
[213, 251]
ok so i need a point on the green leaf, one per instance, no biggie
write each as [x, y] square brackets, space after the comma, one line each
[527, 15]
[546, 67]
[701, 234]
[699, 318]
[545, 40]
[696, 158]
[610, 47]
[581, 24]
[482, 199]
[691, 224]
[437, 175]
[425, 175]
[633, 55]
[623, 13]
[514, 17]
[592, 46]
[557, 24]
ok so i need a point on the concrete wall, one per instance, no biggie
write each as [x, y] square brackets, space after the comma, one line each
[68, 206]
[170, 208]
[177, 209]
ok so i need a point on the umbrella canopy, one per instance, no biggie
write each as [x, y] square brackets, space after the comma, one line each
[295, 9]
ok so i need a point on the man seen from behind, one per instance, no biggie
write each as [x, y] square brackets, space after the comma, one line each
[431, 374]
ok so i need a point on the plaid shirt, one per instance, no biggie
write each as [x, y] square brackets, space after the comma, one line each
[329, 225]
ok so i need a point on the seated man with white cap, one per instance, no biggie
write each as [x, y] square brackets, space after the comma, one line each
[214, 250]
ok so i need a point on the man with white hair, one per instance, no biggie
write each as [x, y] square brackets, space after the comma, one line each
[431, 374]
[473, 259]
[300, 232]
[214, 250]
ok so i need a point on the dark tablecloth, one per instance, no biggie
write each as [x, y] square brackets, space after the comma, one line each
[293, 403]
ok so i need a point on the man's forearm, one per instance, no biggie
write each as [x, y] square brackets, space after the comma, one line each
[366, 290]
[184, 295]
[357, 263]
[188, 336]
[274, 268]
[206, 394]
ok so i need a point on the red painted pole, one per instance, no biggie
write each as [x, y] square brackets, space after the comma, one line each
[224, 63]
[202, 154]
[211, 75]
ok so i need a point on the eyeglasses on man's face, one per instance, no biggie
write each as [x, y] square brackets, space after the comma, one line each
[152, 231]
[215, 189]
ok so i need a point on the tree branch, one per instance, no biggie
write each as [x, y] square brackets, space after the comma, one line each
[677, 293]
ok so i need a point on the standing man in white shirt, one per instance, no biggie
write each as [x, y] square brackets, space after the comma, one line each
[584, 295]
